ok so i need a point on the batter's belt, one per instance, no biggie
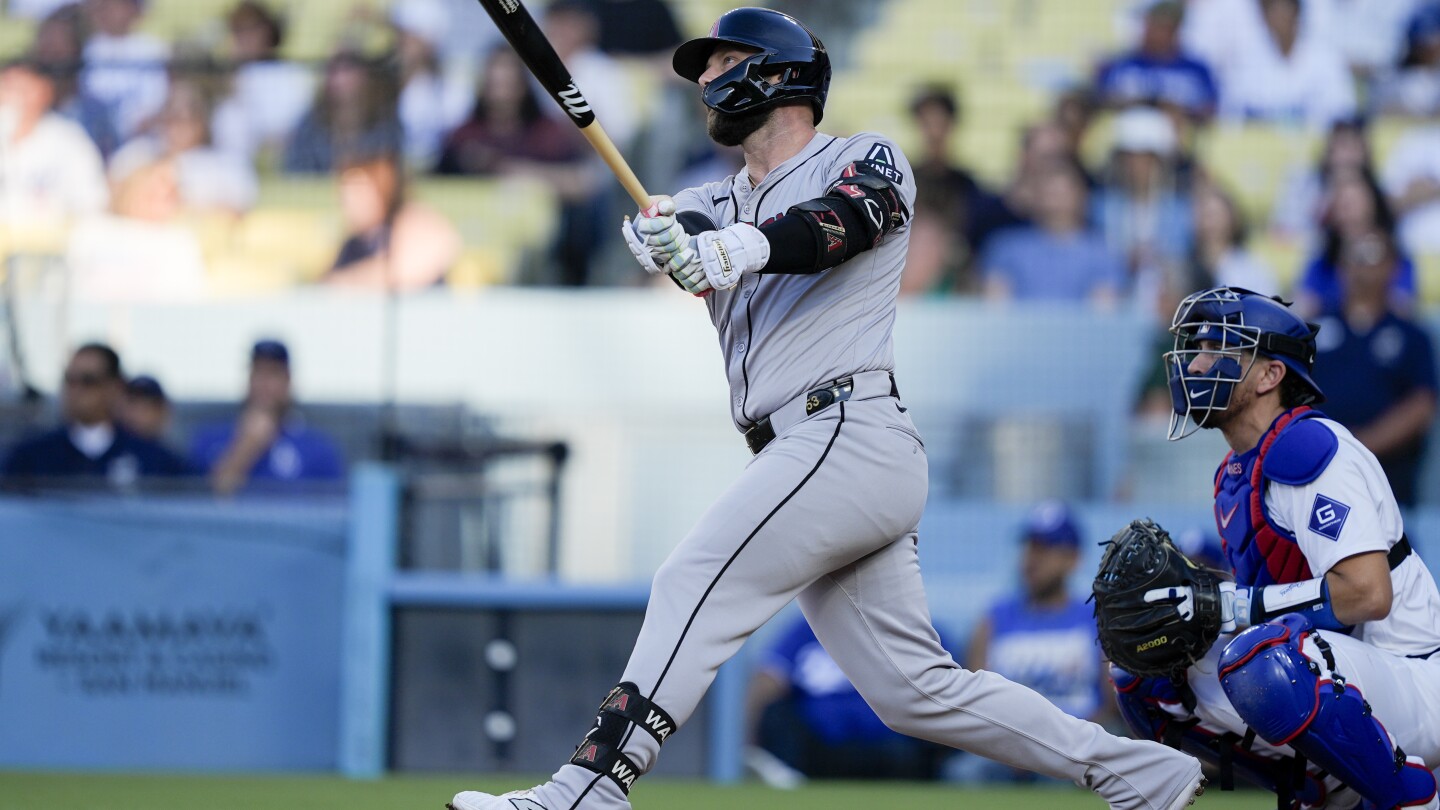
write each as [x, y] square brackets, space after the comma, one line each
[865, 385]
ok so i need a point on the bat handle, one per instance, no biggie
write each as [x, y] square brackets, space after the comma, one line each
[601, 141]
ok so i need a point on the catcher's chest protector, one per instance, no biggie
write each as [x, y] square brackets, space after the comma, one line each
[1260, 553]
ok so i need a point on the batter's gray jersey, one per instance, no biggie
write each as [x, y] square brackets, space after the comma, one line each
[782, 334]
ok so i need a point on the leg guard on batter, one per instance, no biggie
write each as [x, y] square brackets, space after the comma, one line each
[1154, 709]
[622, 711]
[1291, 697]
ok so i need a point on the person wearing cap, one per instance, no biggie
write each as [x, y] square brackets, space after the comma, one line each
[1414, 88]
[144, 409]
[1043, 636]
[1377, 366]
[90, 446]
[267, 95]
[268, 442]
[1158, 71]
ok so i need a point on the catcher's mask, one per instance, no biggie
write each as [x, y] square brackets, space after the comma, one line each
[1234, 325]
[787, 49]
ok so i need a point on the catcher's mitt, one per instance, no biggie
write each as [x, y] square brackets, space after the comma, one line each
[1144, 627]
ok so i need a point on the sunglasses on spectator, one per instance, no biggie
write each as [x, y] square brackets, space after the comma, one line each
[90, 380]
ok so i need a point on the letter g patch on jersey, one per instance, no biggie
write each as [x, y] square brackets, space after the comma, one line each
[1327, 517]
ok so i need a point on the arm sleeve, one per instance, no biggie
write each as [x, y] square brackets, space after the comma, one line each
[1347, 510]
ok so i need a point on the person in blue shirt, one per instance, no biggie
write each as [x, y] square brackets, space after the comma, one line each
[1043, 636]
[1158, 72]
[268, 442]
[90, 447]
[804, 711]
[1377, 366]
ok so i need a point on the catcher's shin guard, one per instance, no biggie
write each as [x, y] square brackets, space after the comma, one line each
[622, 711]
[1293, 698]
[1154, 709]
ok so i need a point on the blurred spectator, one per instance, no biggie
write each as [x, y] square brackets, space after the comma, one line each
[354, 114]
[58, 47]
[145, 410]
[90, 445]
[1141, 207]
[1300, 204]
[267, 96]
[1203, 547]
[803, 710]
[210, 179]
[1042, 636]
[393, 243]
[434, 100]
[269, 441]
[1354, 208]
[1376, 366]
[1057, 258]
[1290, 75]
[1158, 72]
[50, 171]
[573, 29]
[1412, 176]
[645, 28]
[1041, 145]
[1414, 88]
[942, 236]
[1370, 34]
[124, 68]
[1219, 257]
[141, 251]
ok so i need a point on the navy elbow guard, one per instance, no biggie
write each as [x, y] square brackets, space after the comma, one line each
[855, 215]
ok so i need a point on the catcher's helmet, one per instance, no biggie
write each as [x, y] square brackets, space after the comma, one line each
[1233, 322]
[786, 47]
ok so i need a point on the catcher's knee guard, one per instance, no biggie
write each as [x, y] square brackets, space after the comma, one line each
[622, 711]
[1291, 699]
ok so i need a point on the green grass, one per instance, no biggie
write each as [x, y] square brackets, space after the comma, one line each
[55, 791]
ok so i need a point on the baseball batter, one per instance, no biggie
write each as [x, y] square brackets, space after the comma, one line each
[798, 259]
[1334, 661]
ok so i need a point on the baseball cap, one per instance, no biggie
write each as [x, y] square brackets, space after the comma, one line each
[1144, 129]
[269, 349]
[145, 387]
[1052, 524]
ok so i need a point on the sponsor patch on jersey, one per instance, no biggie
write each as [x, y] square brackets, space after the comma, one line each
[880, 160]
[1327, 517]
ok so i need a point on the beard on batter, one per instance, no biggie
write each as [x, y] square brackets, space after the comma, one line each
[731, 129]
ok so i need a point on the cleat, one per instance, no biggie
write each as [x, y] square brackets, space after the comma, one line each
[514, 800]
[1193, 790]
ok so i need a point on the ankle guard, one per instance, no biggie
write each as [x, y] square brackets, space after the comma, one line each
[623, 709]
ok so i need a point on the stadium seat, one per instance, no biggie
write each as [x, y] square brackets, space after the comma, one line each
[1427, 278]
[1254, 160]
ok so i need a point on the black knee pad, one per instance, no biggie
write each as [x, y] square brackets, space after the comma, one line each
[621, 710]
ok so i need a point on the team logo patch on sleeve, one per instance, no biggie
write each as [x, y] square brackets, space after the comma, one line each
[1327, 517]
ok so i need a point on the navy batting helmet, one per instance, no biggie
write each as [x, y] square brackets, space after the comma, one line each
[787, 48]
[1233, 323]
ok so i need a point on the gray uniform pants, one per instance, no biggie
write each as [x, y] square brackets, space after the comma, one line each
[828, 513]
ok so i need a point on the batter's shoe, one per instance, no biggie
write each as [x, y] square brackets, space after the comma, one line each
[1194, 786]
[514, 800]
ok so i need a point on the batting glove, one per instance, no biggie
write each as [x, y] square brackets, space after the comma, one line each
[692, 276]
[729, 253]
[657, 241]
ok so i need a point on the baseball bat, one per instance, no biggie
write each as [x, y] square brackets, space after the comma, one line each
[515, 22]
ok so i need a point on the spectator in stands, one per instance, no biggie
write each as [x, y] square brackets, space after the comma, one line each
[433, 101]
[573, 29]
[942, 235]
[1159, 72]
[1041, 145]
[1290, 75]
[210, 179]
[1354, 208]
[1202, 547]
[1376, 366]
[353, 114]
[393, 243]
[90, 445]
[267, 96]
[803, 710]
[124, 67]
[1043, 636]
[141, 251]
[1412, 176]
[1300, 204]
[1059, 257]
[58, 46]
[269, 442]
[636, 28]
[1218, 257]
[1414, 89]
[50, 170]
[144, 409]
[1141, 207]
